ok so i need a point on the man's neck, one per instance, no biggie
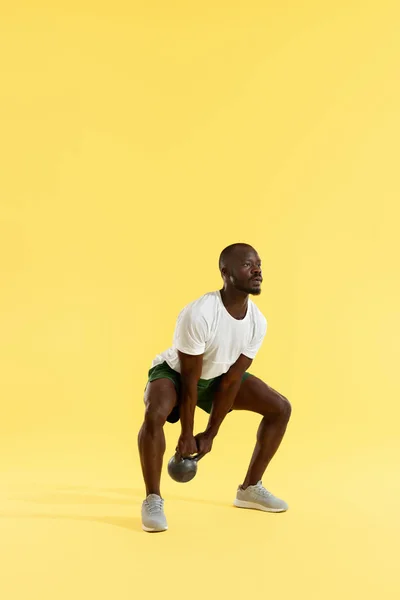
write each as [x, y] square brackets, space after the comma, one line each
[235, 302]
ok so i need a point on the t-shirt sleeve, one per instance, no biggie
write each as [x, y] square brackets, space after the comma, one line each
[191, 332]
[258, 337]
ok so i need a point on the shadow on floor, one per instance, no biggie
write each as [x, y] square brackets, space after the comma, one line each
[138, 495]
[130, 523]
[86, 495]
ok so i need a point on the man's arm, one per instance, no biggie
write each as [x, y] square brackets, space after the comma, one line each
[191, 366]
[223, 402]
[226, 394]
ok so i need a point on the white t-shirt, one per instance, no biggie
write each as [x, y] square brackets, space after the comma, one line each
[205, 327]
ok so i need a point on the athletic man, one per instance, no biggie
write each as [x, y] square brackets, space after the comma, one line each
[216, 338]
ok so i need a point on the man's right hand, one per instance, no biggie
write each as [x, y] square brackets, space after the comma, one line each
[186, 445]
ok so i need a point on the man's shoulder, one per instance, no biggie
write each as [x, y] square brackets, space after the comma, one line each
[258, 316]
[205, 305]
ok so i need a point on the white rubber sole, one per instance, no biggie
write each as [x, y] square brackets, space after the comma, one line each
[254, 506]
[153, 530]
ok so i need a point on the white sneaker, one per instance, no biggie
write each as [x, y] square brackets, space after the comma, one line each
[257, 497]
[153, 517]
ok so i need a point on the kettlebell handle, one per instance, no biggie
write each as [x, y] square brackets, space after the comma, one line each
[179, 458]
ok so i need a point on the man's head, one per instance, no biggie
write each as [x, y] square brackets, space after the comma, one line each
[240, 268]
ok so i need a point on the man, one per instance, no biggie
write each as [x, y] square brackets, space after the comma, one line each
[216, 338]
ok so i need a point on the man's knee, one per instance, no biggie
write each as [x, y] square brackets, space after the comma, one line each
[160, 399]
[285, 409]
[155, 416]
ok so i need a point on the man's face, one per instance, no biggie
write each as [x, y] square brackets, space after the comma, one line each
[244, 271]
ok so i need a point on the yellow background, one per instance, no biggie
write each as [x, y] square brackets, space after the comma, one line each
[137, 140]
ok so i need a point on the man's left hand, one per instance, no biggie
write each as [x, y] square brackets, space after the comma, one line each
[204, 444]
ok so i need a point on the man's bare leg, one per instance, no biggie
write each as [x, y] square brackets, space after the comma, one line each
[160, 399]
[257, 396]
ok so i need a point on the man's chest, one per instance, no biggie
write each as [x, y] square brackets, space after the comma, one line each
[228, 341]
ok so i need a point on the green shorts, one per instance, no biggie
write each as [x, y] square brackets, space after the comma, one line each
[206, 388]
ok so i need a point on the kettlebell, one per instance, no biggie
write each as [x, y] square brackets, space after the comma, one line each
[182, 469]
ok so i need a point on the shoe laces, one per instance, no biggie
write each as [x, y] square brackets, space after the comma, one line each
[260, 489]
[155, 505]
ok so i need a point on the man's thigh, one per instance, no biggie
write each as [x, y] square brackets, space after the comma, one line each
[256, 396]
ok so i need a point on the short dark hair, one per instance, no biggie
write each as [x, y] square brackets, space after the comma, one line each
[228, 251]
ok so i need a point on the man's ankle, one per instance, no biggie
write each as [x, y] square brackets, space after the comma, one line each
[155, 492]
[246, 484]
